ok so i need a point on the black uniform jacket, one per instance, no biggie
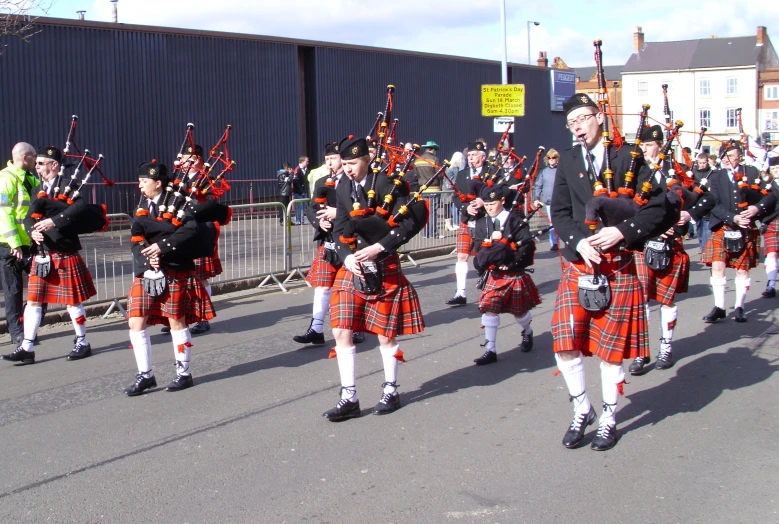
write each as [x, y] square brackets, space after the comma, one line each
[726, 196]
[462, 182]
[573, 189]
[58, 239]
[513, 230]
[313, 207]
[177, 246]
[768, 209]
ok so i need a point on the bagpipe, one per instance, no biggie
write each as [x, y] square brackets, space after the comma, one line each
[325, 196]
[682, 174]
[763, 181]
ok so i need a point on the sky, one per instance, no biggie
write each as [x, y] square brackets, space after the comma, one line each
[469, 28]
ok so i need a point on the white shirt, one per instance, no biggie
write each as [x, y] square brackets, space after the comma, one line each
[597, 153]
[502, 216]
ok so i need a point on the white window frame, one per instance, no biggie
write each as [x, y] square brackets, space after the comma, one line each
[704, 121]
[728, 118]
[643, 87]
[771, 120]
[771, 92]
[707, 87]
[728, 85]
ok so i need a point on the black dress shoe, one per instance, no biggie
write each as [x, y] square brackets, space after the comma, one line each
[715, 315]
[487, 358]
[181, 382]
[358, 338]
[345, 409]
[605, 438]
[637, 367]
[310, 337]
[80, 350]
[576, 430]
[456, 301]
[141, 384]
[200, 327]
[769, 293]
[389, 402]
[20, 356]
[738, 316]
[527, 342]
[665, 359]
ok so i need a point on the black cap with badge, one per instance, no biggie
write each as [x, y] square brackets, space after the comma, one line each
[153, 170]
[351, 147]
[577, 101]
[50, 152]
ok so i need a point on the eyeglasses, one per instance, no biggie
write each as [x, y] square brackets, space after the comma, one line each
[579, 120]
[39, 163]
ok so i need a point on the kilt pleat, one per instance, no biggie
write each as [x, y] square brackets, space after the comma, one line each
[514, 293]
[715, 250]
[208, 267]
[663, 286]
[618, 333]
[184, 296]
[321, 274]
[395, 311]
[771, 238]
[465, 243]
[68, 282]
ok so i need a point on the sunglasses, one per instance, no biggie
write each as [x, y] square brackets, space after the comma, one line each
[39, 163]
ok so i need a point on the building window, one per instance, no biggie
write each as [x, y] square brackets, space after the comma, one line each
[705, 118]
[771, 120]
[771, 92]
[705, 89]
[643, 88]
[730, 119]
[732, 86]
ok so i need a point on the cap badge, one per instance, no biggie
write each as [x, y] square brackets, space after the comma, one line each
[152, 171]
[50, 152]
[355, 150]
[189, 149]
[583, 98]
[655, 133]
[492, 195]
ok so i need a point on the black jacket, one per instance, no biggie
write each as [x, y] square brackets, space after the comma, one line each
[177, 246]
[514, 230]
[313, 207]
[768, 210]
[59, 239]
[462, 182]
[285, 183]
[727, 196]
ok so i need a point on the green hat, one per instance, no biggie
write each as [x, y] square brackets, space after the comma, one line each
[431, 145]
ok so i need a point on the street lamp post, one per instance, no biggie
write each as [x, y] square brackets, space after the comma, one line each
[504, 60]
[528, 38]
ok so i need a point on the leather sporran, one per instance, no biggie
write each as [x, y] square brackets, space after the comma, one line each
[331, 255]
[657, 254]
[42, 266]
[370, 283]
[734, 242]
[594, 292]
[154, 282]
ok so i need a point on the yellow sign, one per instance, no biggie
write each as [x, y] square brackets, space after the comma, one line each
[503, 100]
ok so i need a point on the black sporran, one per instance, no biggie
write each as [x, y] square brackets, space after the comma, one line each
[657, 254]
[331, 255]
[594, 292]
[482, 280]
[734, 242]
[42, 265]
[370, 283]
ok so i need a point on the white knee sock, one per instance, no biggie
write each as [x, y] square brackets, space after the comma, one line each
[524, 322]
[79, 318]
[770, 272]
[612, 378]
[142, 349]
[32, 321]
[490, 323]
[742, 286]
[208, 289]
[718, 287]
[667, 324]
[461, 271]
[390, 367]
[573, 373]
[182, 350]
[346, 358]
[321, 305]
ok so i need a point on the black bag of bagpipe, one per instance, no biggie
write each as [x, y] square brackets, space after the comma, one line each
[505, 252]
[155, 231]
[88, 218]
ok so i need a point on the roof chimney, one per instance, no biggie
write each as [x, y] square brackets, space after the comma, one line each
[542, 61]
[81, 14]
[762, 35]
[638, 39]
[114, 11]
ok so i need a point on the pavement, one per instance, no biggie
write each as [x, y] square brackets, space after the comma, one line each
[470, 444]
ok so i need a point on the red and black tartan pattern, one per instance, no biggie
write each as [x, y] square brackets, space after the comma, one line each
[663, 286]
[208, 267]
[771, 238]
[396, 311]
[184, 296]
[68, 282]
[621, 331]
[514, 293]
[715, 250]
[465, 243]
[321, 273]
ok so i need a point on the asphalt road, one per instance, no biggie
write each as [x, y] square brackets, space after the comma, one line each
[248, 443]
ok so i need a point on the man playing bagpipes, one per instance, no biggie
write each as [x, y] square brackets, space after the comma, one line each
[601, 316]
[505, 250]
[320, 213]
[165, 289]
[664, 267]
[469, 212]
[734, 240]
[767, 211]
[58, 274]
[371, 294]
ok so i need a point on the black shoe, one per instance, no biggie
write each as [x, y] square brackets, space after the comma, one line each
[605, 438]
[637, 367]
[344, 410]
[80, 350]
[200, 327]
[769, 293]
[738, 316]
[715, 315]
[665, 359]
[181, 382]
[576, 430]
[358, 338]
[527, 342]
[487, 358]
[20, 356]
[165, 329]
[456, 301]
[141, 384]
[553, 248]
[389, 402]
[310, 337]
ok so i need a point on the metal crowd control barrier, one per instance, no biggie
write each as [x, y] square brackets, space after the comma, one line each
[301, 248]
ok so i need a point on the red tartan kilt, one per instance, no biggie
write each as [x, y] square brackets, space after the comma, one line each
[321, 273]
[715, 250]
[208, 267]
[184, 296]
[396, 311]
[663, 286]
[465, 244]
[509, 293]
[771, 238]
[68, 282]
[618, 333]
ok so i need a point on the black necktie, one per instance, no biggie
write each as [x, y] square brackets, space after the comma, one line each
[496, 224]
[594, 172]
[152, 209]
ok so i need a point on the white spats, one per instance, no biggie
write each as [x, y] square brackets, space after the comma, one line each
[573, 373]
[742, 286]
[461, 272]
[718, 288]
[346, 358]
[612, 378]
[142, 348]
[668, 322]
[32, 321]
[524, 322]
[390, 367]
[182, 349]
[321, 307]
[79, 318]
[771, 267]
[490, 323]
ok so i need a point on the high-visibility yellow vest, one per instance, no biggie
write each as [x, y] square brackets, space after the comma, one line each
[14, 204]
